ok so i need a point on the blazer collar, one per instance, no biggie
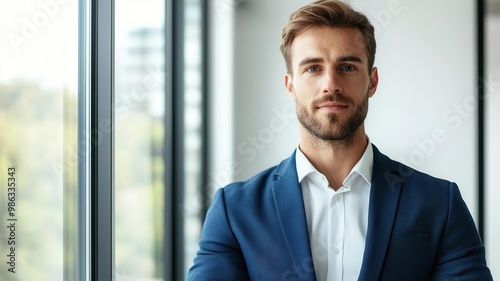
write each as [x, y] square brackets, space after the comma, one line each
[290, 209]
[384, 200]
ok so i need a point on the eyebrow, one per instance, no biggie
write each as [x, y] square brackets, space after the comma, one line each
[310, 60]
[339, 59]
[349, 58]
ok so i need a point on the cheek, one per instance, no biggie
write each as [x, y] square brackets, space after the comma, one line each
[305, 92]
[358, 89]
[305, 103]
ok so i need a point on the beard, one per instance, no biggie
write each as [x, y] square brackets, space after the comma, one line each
[338, 127]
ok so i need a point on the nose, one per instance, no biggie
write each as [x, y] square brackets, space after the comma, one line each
[331, 83]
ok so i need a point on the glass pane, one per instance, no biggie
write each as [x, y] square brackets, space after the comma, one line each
[38, 140]
[193, 130]
[139, 138]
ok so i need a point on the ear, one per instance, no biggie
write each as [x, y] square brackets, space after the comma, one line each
[373, 82]
[289, 86]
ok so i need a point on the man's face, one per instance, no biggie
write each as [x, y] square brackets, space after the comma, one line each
[331, 83]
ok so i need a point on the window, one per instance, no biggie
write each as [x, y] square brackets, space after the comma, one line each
[139, 139]
[101, 103]
[40, 154]
[158, 154]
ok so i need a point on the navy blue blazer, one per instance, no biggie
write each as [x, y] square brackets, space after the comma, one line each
[419, 228]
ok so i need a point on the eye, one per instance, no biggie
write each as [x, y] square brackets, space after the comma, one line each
[348, 68]
[312, 69]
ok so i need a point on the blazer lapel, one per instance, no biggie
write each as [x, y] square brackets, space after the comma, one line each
[290, 209]
[384, 199]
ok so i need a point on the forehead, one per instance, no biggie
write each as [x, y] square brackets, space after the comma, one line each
[328, 43]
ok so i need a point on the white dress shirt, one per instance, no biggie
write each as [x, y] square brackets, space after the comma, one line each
[336, 220]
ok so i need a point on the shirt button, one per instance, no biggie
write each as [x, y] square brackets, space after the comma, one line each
[337, 198]
[336, 251]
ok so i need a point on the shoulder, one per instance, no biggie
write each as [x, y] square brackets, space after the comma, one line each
[259, 188]
[396, 173]
[435, 208]
[416, 188]
[261, 180]
[420, 196]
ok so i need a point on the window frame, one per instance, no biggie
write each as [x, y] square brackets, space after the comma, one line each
[102, 140]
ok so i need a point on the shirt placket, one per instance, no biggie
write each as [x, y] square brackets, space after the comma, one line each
[336, 237]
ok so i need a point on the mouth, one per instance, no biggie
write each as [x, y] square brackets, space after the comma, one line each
[332, 106]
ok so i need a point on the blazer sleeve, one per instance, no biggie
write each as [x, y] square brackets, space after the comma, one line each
[461, 255]
[219, 257]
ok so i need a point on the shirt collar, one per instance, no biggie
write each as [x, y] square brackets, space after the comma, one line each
[304, 167]
[363, 168]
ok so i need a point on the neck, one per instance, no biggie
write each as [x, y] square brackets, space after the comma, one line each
[334, 159]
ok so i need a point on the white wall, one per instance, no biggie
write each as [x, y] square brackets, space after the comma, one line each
[492, 96]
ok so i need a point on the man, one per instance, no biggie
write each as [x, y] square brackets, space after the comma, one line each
[337, 209]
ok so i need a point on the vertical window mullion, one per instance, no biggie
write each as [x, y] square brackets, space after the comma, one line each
[205, 198]
[102, 124]
[174, 141]
[83, 260]
[480, 17]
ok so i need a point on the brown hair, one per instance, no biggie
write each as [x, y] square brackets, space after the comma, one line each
[330, 13]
